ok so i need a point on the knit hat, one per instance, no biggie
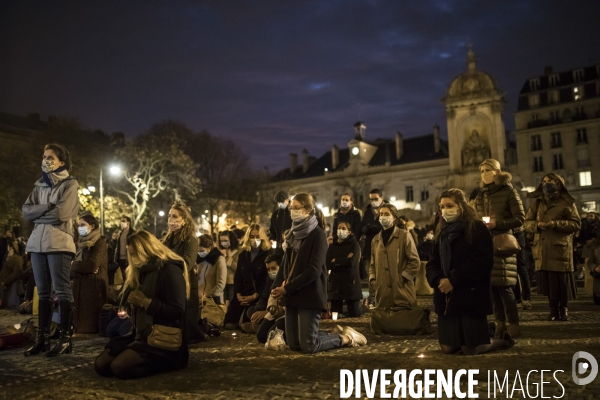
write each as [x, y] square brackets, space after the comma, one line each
[493, 164]
[281, 196]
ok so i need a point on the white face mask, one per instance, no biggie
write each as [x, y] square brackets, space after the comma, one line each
[254, 243]
[225, 245]
[298, 215]
[83, 231]
[450, 214]
[48, 166]
[124, 225]
[282, 205]
[273, 275]
[376, 203]
[345, 204]
[203, 254]
[175, 226]
[386, 222]
[342, 234]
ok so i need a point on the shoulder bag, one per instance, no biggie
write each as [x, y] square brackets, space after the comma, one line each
[165, 337]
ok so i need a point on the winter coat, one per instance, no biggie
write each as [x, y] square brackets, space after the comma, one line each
[250, 276]
[90, 284]
[212, 275]
[186, 249]
[263, 299]
[307, 287]
[53, 230]
[117, 253]
[231, 261]
[281, 221]
[552, 248]
[592, 262]
[394, 267]
[503, 205]
[12, 270]
[469, 274]
[344, 278]
[369, 227]
[352, 217]
[588, 231]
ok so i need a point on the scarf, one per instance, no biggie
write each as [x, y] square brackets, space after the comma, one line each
[449, 234]
[149, 279]
[86, 242]
[53, 177]
[299, 232]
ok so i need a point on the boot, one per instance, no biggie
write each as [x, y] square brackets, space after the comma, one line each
[554, 316]
[514, 330]
[64, 345]
[500, 329]
[42, 342]
[563, 313]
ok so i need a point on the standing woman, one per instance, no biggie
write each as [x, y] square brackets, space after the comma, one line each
[343, 257]
[250, 275]
[156, 287]
[229, 245]
[553, 219]
[182, 240]
[394, 262]
[302, 281]
[459, 271]
[52, 206]
[89, 274]
[349, 214]
[499, 201]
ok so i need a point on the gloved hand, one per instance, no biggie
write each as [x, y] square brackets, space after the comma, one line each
[139, 299]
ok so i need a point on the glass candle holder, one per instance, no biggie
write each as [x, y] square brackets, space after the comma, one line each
[334, 315]
[122, 313]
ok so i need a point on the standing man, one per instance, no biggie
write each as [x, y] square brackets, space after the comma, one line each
[281, 219]
[121, 249]
[369, 228]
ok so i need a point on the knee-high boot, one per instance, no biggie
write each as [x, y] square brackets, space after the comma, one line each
[42, 342]
[64, 345]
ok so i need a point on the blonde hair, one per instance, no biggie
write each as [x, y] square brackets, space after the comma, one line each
[265, 243]
[145, 246]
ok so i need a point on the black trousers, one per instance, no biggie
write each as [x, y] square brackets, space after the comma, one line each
[352, 305]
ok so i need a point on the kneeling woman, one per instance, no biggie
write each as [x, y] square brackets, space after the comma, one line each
[459, 270]
[156, 287]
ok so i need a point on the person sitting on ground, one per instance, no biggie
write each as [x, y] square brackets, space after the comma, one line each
[258, 311]
[229, 246]
[272, 316]
[212, 270]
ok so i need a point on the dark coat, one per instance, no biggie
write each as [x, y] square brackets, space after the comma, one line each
[186, 249]
[370, 227]
[307, 287]
[90, 285]
[251, 276]
[281, 221]
[12, 270]
[470, 275]
[118, 244]
[352, 217]
[263, 300]
[344, 279]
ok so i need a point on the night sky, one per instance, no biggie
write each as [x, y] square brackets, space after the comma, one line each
[277, 76]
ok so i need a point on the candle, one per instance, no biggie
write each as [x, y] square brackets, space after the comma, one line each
[334, 315]
[486, 219]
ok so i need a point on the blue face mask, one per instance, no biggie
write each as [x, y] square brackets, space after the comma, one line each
[83, 231]
[203, 254]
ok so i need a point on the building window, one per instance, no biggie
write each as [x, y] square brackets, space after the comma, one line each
[582, 136]
[556, 140]
[538, 164]
[557, 161]
[578, 93]
[553, 80]
[552, 96]
[536, 142]
[534, 84]
[588, 206]
[580, 113]
[534, 100]
[583, 157]
[424, 195]
[409, 194]
[555, 116]
[578, 75]
[585, 178]
[533, 117]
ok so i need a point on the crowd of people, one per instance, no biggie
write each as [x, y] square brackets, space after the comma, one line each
[480, 254]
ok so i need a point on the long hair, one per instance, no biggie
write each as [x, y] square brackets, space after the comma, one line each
[265, 243]
[144, 246]
[234, 243]
[188, 230]
[467, 212]
[308, 202]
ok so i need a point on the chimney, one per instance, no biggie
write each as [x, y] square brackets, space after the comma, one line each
[399, 145]
[335, 157]
[359, 129]
[293, 162]
[548, 70]
[305, 161]
[388, 156]
[436, 138]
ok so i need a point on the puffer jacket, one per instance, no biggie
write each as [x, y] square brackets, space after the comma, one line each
[53, 231]
[503, 205]
[552, 248]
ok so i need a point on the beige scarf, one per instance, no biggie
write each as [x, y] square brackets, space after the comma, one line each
[86, 242]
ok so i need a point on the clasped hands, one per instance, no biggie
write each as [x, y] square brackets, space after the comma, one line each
[278, 292]
[547, 225]
[138, 299]
[247, 300]
[445, 286]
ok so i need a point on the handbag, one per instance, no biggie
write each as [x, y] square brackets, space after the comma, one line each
[213, 312]
[165, 337]
[505, 245]
[400, 321]
[275, 340]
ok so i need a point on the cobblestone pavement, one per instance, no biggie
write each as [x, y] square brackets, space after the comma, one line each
[238, 367]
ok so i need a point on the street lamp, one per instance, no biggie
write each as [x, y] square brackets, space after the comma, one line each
[114, 170]
[161, 213]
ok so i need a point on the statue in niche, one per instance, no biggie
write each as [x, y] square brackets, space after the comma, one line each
[475, 150]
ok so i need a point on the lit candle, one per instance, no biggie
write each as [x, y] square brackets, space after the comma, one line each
[486, 219]
[334, 315]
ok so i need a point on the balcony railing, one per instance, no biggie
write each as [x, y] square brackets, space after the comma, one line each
[583, 163]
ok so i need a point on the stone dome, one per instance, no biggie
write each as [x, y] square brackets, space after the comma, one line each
[472, 83]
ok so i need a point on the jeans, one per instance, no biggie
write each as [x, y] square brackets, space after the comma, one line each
[505, 304]
[52, 270]
[302, 331]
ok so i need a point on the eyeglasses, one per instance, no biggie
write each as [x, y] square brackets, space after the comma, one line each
[296, 208]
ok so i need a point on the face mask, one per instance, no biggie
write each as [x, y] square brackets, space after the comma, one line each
[203, 254]
[225, 245]
[429, 236]
[83, 231]
[450, 214]
[124, 225]
[273, 275]
[282, 205]
[298, 215]
[48, 166]
[174, 226]
[254, 243]
[385, 221]
[376, 203]
[345, 204]
[342, 234]
[549, 188]
[488, 177]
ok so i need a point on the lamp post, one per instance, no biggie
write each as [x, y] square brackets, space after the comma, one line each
[161, 213]
[114, 170]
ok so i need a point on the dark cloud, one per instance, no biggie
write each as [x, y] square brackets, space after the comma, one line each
[277, 76]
